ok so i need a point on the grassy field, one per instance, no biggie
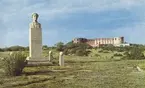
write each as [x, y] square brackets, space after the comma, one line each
[80, 72]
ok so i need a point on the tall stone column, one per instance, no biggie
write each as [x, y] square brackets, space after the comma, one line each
[35, 38]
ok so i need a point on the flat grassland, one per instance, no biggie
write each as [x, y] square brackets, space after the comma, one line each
[81, 72]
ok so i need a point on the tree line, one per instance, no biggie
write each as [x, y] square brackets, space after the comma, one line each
[83, 49]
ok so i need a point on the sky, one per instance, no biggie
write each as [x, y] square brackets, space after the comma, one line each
[63, 20]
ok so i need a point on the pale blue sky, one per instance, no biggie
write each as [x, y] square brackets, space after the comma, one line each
[63, 20]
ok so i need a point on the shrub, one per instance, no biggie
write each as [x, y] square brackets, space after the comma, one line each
[1, 50]
[109, 47]
[13, 64]
[97, 55]
[59, 46]
[120, 50]
[66, 52]
[82, 52]
[111, 57]
[126, 53]
[100, 51]
[79, 53]
[135, 54]
[72, 51]
[118, 54]
[79, 49]
[105, 51]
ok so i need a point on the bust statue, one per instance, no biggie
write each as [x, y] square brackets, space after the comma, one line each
[35, 23]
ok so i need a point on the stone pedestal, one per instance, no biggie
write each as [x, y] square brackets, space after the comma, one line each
[35, 41]
[39, 62]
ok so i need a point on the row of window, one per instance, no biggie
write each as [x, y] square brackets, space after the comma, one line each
[104, 39]
[100, 40]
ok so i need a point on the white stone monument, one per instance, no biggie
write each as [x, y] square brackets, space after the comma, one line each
[35, 44]
[61, 59]
[35, 38]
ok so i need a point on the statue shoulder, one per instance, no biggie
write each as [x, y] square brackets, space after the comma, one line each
[35, 25]
[39, 25]
[30, 24]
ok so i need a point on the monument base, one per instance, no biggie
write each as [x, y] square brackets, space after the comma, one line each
[38, 62]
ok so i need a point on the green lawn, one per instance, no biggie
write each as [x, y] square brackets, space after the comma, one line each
[80, 72]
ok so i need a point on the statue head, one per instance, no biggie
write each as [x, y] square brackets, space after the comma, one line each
[35, 17]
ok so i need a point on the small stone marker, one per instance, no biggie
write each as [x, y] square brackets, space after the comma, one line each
[28, 58]
[139, 69]
[61, 59]
[50, 55]
[11, 53]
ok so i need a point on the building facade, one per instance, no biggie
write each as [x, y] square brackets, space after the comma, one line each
[100, 41]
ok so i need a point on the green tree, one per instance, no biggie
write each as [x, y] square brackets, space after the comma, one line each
[59, 46]
[27, 48]
[79, 49]
[135, 54]
[16, 48]
[45, 47]
[1, 50]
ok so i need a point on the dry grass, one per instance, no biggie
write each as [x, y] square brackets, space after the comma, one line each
[80, 72]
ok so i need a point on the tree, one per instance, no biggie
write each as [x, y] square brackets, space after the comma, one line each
[135, 54]
[79, 49]
[1, 50]
[14, 48]
[108, 47]
[27, 48]
[45, 47]
[59, 46]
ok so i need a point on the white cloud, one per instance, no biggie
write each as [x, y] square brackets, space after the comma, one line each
[51, 9]
[15, 15]
[134, 34]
